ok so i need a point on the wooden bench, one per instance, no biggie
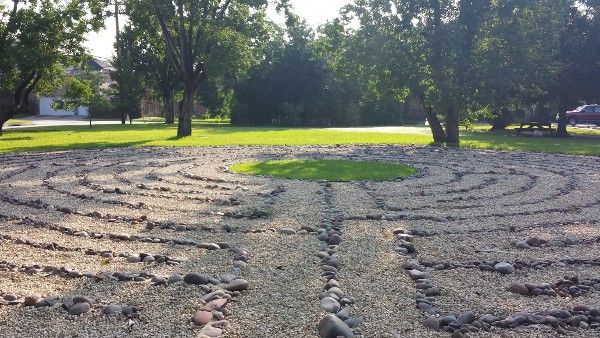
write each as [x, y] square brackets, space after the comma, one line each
[535, 126]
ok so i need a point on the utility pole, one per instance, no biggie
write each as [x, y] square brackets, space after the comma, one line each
[117, 30]
[118, 51]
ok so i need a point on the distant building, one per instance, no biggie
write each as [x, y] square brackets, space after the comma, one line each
[96, 65]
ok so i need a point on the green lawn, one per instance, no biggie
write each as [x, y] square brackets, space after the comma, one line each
[213, 133]
[331, 170]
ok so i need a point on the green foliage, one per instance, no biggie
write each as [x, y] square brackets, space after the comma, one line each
[331, 170]
[292, 86]
[77, 93]
[101, 106]
[128, 76]
[203, 39]
[37, 38]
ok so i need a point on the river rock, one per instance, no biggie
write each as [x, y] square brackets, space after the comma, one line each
[330, 305]
[504, 268]
[333, 327]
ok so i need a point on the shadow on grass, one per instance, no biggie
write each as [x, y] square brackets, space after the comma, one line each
[72, 146]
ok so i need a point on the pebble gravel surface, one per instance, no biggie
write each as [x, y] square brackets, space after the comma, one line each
[161, 242]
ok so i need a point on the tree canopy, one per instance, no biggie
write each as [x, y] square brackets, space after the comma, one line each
[36, 38]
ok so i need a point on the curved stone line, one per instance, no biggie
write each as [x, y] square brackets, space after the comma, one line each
[501, 228]
[108, 254]
[120, 237]
[517, 264]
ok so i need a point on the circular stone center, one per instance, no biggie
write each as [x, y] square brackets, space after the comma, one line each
[330, 170]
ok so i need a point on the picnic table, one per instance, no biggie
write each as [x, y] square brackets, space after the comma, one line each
[545, 126]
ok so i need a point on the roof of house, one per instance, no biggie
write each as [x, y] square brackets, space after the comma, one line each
[98, 64]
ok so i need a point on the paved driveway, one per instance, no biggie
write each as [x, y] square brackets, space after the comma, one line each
[52, 121]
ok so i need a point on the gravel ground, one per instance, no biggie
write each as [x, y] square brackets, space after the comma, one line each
[465, 210]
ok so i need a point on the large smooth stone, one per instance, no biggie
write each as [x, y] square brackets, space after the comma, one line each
[333, 327]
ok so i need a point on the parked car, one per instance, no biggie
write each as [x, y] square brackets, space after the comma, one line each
[585, 114]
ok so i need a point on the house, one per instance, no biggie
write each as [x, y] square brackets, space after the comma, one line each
[98, 66]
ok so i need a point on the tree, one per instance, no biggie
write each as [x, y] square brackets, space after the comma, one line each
[579, 67]
[517, 55]
[35, 37]
[288, 87]
[204, 37]
[128, 76]
[159, 74]
[80, 90]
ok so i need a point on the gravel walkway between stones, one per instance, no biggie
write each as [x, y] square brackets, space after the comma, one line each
[161, 242]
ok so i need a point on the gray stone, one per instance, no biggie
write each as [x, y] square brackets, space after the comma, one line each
[323, 237]
[9, 297]
[574, 320]
[331, 326]
[488, 318]
[432, 323]
[133, 259]
[330, 305]
[209, 331]
[202, 318]
[353, 322]
[466, 318]
[159, 280]
[518, 288]
[238, 285]
[112, 310]
[79, 308]
[416, 274]
[337, 291]
[504, 268]
[130, 312]
[522, 245]
[196, 278]
[335, 239]
[227, 278]
[287, 231]
[149, 259]
[551, 321]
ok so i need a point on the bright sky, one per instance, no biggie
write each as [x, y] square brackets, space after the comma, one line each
[316, 12]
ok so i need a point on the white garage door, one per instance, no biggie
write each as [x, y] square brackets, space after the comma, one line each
[46, 109]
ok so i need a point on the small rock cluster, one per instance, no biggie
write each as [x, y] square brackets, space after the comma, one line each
[538, 242]
[74, 305]
[338, 323]
[568, 287]
[211, 317]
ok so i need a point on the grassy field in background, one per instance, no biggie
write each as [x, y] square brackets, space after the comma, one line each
[330, 170]
[219, 133]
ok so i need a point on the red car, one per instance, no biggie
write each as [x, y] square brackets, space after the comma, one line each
[585, 114]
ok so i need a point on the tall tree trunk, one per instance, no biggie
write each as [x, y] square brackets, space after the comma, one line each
[184, 127]
[21, 98]
[4, 117]
[168, 109]
[452, 130]
[439, 136]
[2, 122]
[561, 131]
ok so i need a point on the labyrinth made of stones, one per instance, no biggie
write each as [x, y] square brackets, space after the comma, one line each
[157, 242]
